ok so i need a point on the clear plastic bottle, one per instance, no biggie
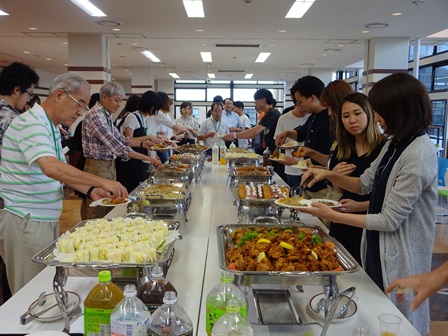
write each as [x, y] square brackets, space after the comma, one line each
[218, 298]
[152, 292]
[130, 317]
[222, 154]
[232, 323]
[170, 319]
[99, 304]
[215, 154]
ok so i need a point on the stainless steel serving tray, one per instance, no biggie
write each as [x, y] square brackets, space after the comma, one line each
[225, 241]
[245, 161]
[46, 256]
[236, 177]
[259, 202]
[181, 149]
[139, 195]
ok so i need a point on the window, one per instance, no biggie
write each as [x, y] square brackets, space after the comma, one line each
[441, 48]
[425, 76]
[196, 112]
[253, 115]
[437, 129]
[212, 92]
[244, 94]
[190, 95]
[441, 78]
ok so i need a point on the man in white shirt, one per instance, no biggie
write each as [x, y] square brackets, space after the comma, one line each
[238, 107]
[289, 121]
[231, 118]
[213, 128]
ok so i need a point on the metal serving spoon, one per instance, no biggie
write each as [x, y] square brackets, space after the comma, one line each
[344, 307]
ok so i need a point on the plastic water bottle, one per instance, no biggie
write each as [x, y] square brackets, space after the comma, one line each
[232, 145]
[218, 298]
[170, 319]
[215, 154]
[232, 323]
[130, 317]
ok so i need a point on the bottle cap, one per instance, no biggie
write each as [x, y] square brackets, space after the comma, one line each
[130, 291]
[170, 297]
[104, 276]
[226, 277]
[232, 306]
[157, 272]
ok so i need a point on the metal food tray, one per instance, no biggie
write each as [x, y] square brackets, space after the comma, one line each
[225, 241]
[47, 257]
[190, 150]
[158, 200]
[245, 161]
[236, 178]
[182, 176]
[259, 202]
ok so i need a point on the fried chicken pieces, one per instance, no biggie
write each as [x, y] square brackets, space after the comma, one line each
[288, 249]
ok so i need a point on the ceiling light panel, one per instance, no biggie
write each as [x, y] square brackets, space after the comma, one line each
[151, 56]
[211, 75]
[262, 57]
[174, 75]
[194, 8]
[2, 13]
[88, 7]
[206, 56]
[248, 76]
[299, 8]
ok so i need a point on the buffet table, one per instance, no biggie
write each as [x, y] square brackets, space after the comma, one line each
[194, 271]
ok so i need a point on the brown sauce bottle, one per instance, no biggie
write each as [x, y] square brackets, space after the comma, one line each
[153, 290]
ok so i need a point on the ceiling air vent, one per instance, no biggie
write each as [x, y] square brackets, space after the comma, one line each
[222, 45]
[227, 71]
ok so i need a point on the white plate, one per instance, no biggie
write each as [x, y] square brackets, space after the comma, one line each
[162, 149]
[54, 313]
[100, 203]
[285, 146]
[307, 203]
[351, 309]
[300, 167]
[273, 159]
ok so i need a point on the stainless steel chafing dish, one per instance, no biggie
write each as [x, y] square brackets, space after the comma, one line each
[158, 205]
[238, 176]
[244, 161]
[196, 149]
[47, 257]
[250, 208]
[196, 161]
[173, 172]
[122, 273]
[244, 279]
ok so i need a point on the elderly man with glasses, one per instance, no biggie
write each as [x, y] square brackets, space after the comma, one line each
[33, 168]
[102, 142]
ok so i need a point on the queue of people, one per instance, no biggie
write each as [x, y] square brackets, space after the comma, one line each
[361, 151]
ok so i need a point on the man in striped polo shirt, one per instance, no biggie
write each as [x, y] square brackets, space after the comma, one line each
[32, 169]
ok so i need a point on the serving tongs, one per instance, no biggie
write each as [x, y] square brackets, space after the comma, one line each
[40, 302]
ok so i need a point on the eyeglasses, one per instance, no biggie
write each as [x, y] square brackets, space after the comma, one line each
[82, 107]
[30, 94]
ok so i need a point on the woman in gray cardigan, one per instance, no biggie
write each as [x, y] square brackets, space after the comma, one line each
[400, 222]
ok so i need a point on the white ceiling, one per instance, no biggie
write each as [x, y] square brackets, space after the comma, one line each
[163, 27]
